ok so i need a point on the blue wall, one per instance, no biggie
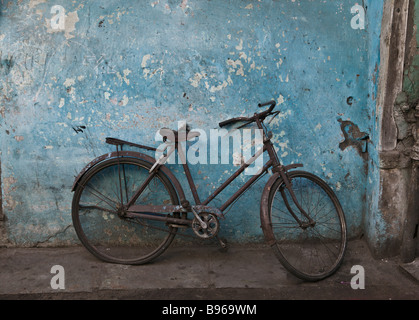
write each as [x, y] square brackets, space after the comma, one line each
[127, 68]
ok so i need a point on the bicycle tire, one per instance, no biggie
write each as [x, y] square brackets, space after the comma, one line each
[301, 250]
[105, 234]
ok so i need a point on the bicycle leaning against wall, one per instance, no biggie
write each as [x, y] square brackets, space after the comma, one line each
[127, 206]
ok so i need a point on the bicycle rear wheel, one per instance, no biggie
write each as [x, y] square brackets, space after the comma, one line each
[314, 252]
[97, 200]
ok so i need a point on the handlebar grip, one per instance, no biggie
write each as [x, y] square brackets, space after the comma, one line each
[272, 103]
[224, 123]
[232, 120]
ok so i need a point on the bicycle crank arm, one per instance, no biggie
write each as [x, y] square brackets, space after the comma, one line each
[202, 223]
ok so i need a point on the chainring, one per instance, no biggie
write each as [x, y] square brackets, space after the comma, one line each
[212, 223]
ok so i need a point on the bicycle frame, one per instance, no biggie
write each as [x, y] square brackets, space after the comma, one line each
[155, 212]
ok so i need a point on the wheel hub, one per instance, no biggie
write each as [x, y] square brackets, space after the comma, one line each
[120, 211]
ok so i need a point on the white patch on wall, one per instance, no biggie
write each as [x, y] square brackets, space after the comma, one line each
[62, 103]
[69, 82]
[197, 79]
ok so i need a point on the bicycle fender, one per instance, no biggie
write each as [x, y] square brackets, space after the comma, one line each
[264, 210]
[131, 154]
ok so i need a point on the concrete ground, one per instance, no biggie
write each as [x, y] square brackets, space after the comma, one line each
[249, 272]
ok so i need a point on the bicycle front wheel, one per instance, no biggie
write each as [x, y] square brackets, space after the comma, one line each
[96, 207]
[310, 252]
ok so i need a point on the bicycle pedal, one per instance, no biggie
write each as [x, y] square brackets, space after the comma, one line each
[223, 244]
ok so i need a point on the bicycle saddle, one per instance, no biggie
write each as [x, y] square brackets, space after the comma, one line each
[178, 136]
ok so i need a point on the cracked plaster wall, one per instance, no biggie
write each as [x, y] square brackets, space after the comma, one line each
[125, 69]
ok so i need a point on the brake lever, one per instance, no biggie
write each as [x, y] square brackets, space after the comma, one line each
[243, 125]
[276, 113]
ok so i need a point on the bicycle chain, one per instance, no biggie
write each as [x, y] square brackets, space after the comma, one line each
[135, 220]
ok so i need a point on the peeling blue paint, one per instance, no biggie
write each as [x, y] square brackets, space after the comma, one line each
[126, 69]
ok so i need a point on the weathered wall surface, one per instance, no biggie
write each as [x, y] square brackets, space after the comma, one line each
[395, 122]
[411, 71]
[125, 69]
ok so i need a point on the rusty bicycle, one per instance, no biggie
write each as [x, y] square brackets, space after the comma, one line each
[128, 206]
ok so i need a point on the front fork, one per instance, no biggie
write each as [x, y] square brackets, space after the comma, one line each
[283, 173]
[288, 184]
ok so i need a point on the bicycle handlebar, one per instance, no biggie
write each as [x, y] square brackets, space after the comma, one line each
[272, 103]
[262, 115]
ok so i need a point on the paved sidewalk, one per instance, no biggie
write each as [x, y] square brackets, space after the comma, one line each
[196, 273]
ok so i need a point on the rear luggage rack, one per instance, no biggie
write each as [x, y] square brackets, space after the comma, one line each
[119, 142]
